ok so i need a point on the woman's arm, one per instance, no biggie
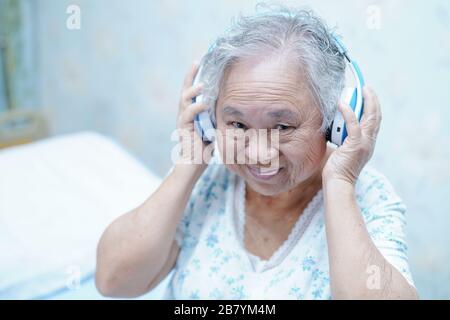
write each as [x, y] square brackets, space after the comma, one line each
[353, 256]
[355, 262]
[138, 249]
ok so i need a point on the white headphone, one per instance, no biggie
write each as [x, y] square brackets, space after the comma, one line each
[335, 133]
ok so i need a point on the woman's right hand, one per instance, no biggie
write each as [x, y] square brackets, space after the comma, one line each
[192, 146]
[138, 249]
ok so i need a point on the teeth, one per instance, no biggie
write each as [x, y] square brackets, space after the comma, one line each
[267, 171]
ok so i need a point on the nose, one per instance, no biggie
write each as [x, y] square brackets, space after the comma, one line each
[262, 149]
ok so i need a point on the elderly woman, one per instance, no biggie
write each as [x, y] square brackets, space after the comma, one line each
[321, 225]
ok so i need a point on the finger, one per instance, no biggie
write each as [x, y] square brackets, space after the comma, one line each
[190, 93]
[371, 119]
[371, 103]
[370, 91]
[351, 122]
[189, 78]
[376, 128]
[191, 111]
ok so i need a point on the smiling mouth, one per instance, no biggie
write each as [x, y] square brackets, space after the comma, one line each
[263, 173]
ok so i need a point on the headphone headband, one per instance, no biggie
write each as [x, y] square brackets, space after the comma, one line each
[336, 132]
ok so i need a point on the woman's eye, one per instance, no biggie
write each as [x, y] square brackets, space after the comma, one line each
[282, 127]
[237, 125]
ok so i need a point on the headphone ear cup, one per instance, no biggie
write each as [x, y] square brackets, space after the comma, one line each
[337, 127]
[204, 126]
[349, 97]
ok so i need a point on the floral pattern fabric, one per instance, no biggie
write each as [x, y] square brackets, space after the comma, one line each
[213, 262]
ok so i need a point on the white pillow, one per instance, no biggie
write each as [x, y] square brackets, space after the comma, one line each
[56, 198]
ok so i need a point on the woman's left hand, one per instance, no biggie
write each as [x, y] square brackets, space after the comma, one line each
[347, 161]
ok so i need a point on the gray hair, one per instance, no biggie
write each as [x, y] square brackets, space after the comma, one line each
[277, 29]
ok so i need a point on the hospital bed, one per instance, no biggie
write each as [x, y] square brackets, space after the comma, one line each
[56, 198]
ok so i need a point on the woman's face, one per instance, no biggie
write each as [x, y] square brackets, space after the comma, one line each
[269, 93]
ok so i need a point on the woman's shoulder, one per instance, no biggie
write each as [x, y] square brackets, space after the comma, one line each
[215, 176]
[206, 203]
[212, 187]
[372, 180]
[370, 172]
[374, 192]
